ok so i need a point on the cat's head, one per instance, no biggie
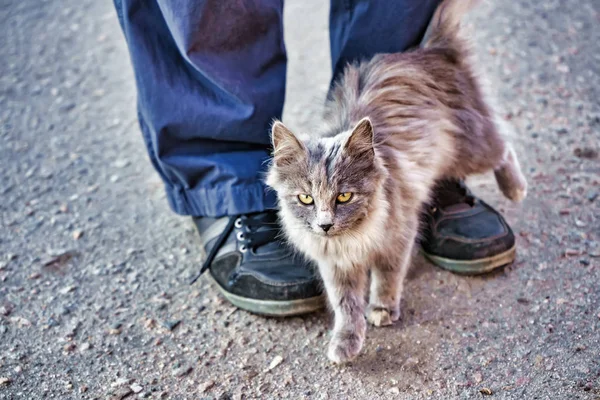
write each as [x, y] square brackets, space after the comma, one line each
[328, 186]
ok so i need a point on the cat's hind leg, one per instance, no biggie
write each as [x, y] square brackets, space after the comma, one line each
[509, 176]
[387, 281]
[384, 302]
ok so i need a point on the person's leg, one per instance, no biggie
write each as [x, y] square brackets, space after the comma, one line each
[210, 76]
[460, 233]
[210, 79]
[359, 29]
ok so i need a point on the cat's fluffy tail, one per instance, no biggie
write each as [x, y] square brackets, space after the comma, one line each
[445, 23]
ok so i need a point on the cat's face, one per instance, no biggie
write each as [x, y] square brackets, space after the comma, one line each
[327, 185]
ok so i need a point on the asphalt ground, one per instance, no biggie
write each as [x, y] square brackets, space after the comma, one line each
[94, 268]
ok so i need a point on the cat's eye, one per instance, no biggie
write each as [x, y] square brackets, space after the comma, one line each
[305, 199]
[344, 197]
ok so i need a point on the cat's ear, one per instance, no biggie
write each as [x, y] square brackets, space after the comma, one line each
[360, 142]
[287, 149]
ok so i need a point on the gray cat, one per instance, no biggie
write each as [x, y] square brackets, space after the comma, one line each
[350, 195]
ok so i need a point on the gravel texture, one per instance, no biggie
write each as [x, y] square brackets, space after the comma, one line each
[94, 300]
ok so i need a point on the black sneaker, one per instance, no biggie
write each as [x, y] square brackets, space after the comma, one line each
[463, 234]
[254, 269]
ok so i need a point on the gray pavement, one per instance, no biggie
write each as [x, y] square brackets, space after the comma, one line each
[94, 301]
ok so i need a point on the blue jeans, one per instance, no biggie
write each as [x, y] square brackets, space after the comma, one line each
[210, 76]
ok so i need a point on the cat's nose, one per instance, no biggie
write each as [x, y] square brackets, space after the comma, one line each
[326, 227]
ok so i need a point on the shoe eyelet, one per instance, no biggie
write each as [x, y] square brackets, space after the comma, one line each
[238, 223]
[243, 248]
[240, 236]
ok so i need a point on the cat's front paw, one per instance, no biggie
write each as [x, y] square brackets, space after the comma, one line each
[380, 316]
[344, 347]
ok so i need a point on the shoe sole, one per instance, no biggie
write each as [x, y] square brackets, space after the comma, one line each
[273, 308]
[474, 267]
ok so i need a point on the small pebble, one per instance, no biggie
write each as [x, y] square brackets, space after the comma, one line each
[276, 361]
[121, 393]
[486, 391]
[69, 347]
[171, 325]
[562, 131]
[121, 163]
[85, 346]
[77, 234]
[394, 390]
[6, 309]
[35, 275]
[136, 388]
[150, 323]
[20, 321]
[181, 371]
[586, 152]
[68, 289]
[120, 382]
[5, 381]
[206, 385]
[66, 107]
[51, 323]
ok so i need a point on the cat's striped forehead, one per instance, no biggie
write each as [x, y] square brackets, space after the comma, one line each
[333, 169]
[325, 155]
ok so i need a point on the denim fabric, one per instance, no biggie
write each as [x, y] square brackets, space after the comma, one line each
[359, 29]
[210, 76]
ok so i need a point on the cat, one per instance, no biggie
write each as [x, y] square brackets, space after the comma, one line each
[350, 195]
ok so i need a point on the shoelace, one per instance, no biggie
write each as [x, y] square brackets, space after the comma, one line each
[254, 230]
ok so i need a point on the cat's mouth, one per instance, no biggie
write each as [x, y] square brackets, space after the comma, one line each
[321, 233]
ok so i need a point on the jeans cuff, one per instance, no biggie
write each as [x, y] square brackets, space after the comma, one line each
[221, 201]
